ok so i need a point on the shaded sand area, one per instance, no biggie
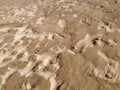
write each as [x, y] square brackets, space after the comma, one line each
[59, 44]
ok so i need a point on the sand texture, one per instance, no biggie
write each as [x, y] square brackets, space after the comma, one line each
[59, 44]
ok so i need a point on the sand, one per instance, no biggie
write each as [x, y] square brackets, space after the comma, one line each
[60, 45]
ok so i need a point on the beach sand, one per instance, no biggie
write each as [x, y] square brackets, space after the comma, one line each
[59, 44]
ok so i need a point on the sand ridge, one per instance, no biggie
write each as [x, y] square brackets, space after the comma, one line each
[60, 45]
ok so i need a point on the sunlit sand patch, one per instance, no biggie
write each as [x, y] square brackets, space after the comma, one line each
[62, 23]
[17, 14]
[86, 42]
[28, 86]
[22, 32]
[27, 70]
[103, 56]
[102, 26]
[53, 82]
[3, 56]
[7, 75]
[75, 15]
[110, 72]
[112, 42]
[4, 29]
[25, 57]
[69, 47]
[40, 20]
[49, 75]
[5, 63]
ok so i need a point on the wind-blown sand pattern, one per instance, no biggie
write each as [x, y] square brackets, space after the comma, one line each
[60, 45]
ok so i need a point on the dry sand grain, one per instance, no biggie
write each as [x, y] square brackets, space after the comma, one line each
[60, 45]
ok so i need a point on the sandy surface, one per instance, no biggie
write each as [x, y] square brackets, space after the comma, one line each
[59, 44]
